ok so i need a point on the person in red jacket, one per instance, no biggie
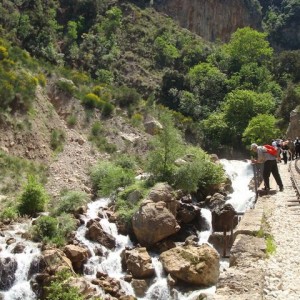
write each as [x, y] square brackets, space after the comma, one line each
[270, 166]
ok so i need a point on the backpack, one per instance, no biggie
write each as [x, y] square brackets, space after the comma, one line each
[271, 150]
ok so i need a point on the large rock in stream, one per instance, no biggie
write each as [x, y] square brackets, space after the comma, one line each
[153, 222]
[96, 233]
[198, 265]
[8, 267]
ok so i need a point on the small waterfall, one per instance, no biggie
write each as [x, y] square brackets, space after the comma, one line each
[240, 173]
[20, 288]
[111, 262]
[205, 234]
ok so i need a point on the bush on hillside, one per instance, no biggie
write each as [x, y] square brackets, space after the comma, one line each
[125, 207]
[197, 172]
[70, 201]
[126, 96]
[57, 139]
[33, 199]
[91, 100]
[107, 177]
[53, 230]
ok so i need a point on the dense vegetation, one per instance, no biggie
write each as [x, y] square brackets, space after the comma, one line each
[114, 55]
[135, 53]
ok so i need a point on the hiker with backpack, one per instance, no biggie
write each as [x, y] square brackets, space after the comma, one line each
[267, 155]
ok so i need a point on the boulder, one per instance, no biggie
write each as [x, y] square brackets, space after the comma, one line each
[140, 287]
[153, 222]
[152, 127]
[138, 262]
[187, 213]
[19, 248]
[198, 265]
[97, 234]
[78, 256]
[85, 288]
[164, 192]
[224, 219]
[55, 260]
[8, 267]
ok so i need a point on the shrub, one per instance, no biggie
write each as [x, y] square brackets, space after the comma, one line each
[46, 227]
[41, 79]
[97, 129]
[8, 213]
[71, 120]
[107, 109]
[99, 140]
[105, 76]
[56, 140]
[66, 225]
[126, 96]
[136, 119]
[125, 207]
[198, 171]
[33, 198]
[107, 177]
[66, 85]
[91, 100]
[59, 289]
[54, 230]
[125, 161]
[70, 201]
[3, 53]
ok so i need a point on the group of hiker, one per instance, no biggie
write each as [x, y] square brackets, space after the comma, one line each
[269, 155]
[288, 149]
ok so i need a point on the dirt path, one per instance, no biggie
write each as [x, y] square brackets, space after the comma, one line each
[282, 270]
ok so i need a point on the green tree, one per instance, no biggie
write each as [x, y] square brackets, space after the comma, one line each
[166, 52]
[166, 148]
[248, 46]
[217, 131]
[261, 130]
[240, 106]
[209, 85]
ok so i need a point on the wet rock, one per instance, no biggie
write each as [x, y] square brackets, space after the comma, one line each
[19, 248]
[78, 256]
[96, 233]
[195, 265]
[140, 287]
[153, 222]
[8, 267]
[138, 262]
[37, 265]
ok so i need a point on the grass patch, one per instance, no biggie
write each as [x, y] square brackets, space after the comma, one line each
[14, 171]
[128, 201]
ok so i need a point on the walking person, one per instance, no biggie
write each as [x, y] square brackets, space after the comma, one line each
[297, 147]
[285, 151]
[269, 162]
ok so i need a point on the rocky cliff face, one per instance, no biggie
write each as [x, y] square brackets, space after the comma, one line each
[293, 130]
[213, 19]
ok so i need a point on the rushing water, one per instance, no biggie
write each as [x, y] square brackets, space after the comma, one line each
[240, 173]
[242, 199]
[20, 289]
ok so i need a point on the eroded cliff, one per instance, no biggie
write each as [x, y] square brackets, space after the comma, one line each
[213, 19]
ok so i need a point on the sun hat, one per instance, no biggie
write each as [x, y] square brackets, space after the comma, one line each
[253, 146]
